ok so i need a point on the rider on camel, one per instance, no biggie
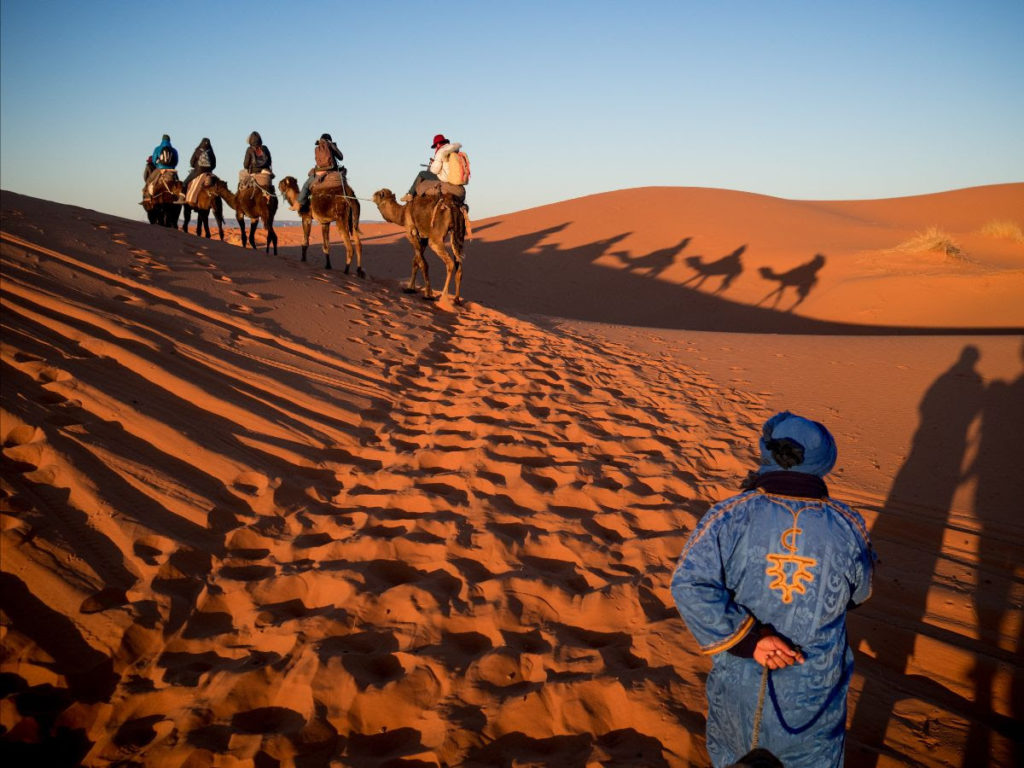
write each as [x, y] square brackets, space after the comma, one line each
[257, 157]
[438, 169]
[326, 157]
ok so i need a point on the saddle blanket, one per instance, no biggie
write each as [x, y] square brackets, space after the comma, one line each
[441, 188]
[263, 180]
[200, 181]
[326, 181]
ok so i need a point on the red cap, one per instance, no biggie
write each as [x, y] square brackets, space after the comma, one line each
[438, 141]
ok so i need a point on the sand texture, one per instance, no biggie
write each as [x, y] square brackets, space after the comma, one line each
[255, 513]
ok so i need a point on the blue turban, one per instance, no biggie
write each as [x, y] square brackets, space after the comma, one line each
[795, 444]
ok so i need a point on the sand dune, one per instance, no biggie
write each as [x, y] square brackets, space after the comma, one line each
[257, 513]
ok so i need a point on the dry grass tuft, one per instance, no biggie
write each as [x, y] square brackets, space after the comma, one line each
[1004, 229]
[933, 240]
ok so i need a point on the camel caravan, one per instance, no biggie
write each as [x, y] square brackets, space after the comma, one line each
[433, 212]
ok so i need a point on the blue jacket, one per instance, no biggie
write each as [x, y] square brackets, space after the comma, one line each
[794, 563]
[159, 149]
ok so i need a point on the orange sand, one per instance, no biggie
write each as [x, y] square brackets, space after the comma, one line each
[256, 513]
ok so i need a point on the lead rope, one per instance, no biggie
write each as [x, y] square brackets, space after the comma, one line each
[760, 709]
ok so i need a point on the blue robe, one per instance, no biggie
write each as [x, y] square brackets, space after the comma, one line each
[793, 563]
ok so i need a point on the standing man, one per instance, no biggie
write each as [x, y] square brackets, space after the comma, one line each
[763, 584]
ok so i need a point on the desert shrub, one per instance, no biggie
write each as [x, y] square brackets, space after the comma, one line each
[1004, 229]
[935, 240]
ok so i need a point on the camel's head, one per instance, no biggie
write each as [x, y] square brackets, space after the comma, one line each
[383, 195]
[289, 187]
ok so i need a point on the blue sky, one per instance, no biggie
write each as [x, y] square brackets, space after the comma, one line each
[552, 100]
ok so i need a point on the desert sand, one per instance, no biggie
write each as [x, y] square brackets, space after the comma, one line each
[255, 513]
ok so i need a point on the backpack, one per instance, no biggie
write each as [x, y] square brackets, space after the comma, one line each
[204, 159]
[167, 156]
[322, 154]
[458, 168]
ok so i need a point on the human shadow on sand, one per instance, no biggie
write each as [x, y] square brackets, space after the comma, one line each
[999, 489]
[910, 537]
[515, 275]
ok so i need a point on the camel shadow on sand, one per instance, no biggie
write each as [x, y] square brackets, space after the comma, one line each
[517, 278]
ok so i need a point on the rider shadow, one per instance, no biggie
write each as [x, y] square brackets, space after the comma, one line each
[999, 488]
[802, 279]
[908, 535]
[728, 268]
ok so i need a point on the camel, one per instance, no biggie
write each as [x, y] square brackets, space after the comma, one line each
[802, 278]
[429, 219]
[205, 201]
[161, 207]
[253, 202]
[337, 204]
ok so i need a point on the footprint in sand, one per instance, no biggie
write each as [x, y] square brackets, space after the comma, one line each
[223, 278]
[240, 308]
[249, 295]
[127, 299]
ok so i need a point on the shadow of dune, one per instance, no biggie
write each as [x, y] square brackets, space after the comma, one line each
[515, 275]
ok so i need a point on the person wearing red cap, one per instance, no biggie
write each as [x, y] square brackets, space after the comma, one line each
[438, 168]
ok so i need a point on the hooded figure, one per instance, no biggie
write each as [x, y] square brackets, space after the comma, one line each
[257, 156]
[763, 584]
[162, 159]
[326, 158]
[203, 160]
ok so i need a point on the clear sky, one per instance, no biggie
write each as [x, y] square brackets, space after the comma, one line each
[552, 100]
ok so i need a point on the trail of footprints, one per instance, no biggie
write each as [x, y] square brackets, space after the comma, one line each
[518, 482]
[500, 529]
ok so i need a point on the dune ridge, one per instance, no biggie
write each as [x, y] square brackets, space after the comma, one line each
[255, 513]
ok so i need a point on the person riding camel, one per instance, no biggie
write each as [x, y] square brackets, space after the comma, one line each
[438, 168]
[257, 159]
[203, 160]
[326, 157]
[164, 157]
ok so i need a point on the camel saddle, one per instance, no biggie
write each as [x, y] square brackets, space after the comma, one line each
[262, 179]
[197, 184]
[159, 181]
[438, 188]
[328, 180]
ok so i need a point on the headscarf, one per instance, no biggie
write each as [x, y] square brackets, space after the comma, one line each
[791, 443]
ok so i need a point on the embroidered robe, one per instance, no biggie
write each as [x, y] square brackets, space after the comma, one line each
[795, 564]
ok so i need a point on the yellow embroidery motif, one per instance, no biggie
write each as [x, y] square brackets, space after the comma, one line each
[799, 567]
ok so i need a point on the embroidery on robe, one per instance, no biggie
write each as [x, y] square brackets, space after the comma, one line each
[791, 571]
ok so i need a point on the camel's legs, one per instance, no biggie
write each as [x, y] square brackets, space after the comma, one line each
[253, 224]
[268, 224]
[350, 236]
[438, 247]
[419, 264]
[307, 223]
[325, 234]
